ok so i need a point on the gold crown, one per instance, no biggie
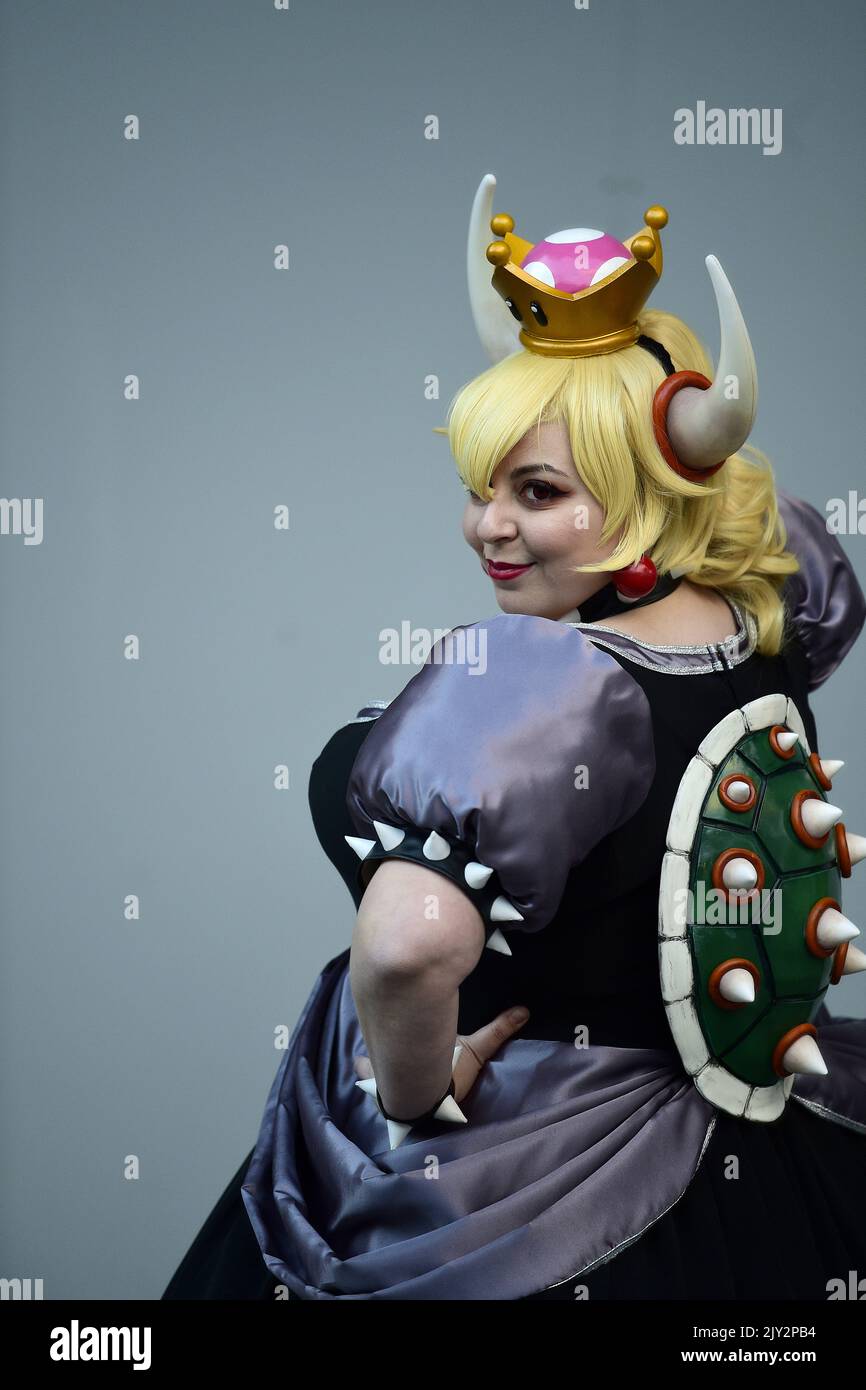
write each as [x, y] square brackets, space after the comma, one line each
[601, 318]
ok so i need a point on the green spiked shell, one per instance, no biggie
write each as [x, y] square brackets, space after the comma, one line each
[738, 806]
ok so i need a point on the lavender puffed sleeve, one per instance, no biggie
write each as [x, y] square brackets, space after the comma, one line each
[824, 599]
[515, 749]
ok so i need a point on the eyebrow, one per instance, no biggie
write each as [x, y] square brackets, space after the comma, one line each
[534, 468]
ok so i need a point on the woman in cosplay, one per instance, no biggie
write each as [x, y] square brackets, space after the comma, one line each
[605, 804]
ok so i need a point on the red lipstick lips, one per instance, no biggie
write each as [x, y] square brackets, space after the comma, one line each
[499, 571]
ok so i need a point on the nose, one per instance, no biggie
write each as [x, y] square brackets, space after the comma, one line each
[496, 523]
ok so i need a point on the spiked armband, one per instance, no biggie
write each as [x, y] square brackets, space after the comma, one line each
[450, 858]
[445, 1109]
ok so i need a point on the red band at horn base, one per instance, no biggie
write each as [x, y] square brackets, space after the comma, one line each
[661, 400]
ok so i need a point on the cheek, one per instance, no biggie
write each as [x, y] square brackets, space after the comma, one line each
[582, 528]
[567, 532]
[470, 524]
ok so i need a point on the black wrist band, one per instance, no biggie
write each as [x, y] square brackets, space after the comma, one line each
[428, 1114]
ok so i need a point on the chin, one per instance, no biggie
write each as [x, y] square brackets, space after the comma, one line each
[513, 603]
[510, 603]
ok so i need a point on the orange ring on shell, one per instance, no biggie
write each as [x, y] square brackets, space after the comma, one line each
[780, 752]
[728, 801]
[843, 854]
[839, 963]
[738, 853]
[735, 963]
[811, 929]
[786, 1041]
[820, 775]
[810, 841]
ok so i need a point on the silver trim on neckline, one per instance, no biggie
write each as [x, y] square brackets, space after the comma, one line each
[705, 656]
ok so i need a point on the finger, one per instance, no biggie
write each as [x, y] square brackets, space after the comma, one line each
[466, 1069]
[364, 1067]
[487, 1040]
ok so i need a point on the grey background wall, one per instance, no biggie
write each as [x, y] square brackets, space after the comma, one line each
[305, 387]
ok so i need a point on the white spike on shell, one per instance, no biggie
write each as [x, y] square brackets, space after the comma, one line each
[737, 986]
[830, 766]
[804, 1057]
[819, 816]
[739, 873]
[856, 846]
[855, 961]
[739, 791]
[834, 928]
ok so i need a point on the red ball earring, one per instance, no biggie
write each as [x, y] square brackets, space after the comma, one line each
[636, 580]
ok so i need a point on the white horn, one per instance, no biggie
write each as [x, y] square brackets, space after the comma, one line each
[706, 426]
[496, 328]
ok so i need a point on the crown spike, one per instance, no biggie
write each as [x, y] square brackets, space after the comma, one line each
[498, 253]
[642, 247]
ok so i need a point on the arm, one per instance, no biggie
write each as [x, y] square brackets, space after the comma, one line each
[477, 778]
[405, 968]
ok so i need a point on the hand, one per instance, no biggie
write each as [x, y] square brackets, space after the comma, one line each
[475, 1049]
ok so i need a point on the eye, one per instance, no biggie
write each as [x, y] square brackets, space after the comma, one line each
[472, 496]
[514, 309]
[538, 313]
[547, 490]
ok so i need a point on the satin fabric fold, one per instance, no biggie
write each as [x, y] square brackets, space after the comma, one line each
[569, 1155]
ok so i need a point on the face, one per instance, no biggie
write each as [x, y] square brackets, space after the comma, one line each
[542, 521]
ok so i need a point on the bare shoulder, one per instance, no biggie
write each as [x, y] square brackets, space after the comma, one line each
[690, 615]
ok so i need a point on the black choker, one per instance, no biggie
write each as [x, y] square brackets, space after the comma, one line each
[606, 602]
